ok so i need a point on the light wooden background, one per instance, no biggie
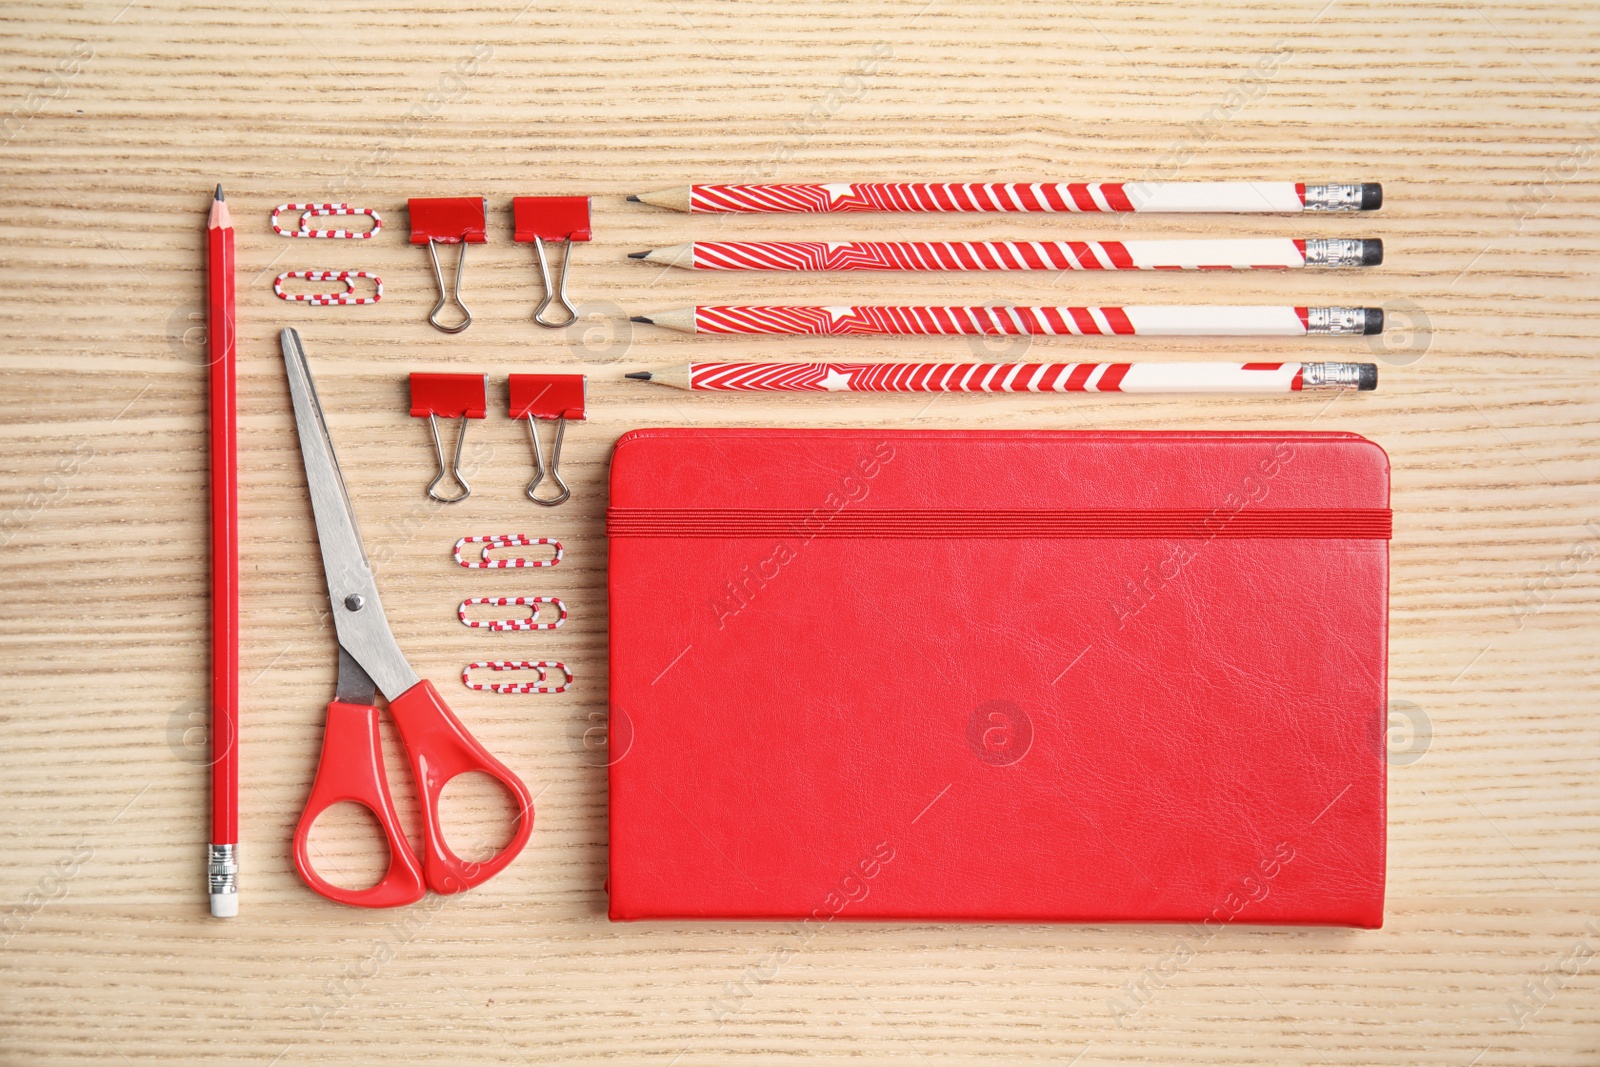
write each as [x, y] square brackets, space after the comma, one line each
[1479, 120]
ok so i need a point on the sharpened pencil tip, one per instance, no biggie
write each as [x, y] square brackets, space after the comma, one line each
[638, 375]
[634, 200]
[219, 195]
[638, 255]
[643, 319]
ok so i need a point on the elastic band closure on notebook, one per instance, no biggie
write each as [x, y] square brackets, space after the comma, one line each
[1317, 523]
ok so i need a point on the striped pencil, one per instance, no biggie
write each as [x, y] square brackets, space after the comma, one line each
[1254, 253]
[1149, 197]
[1168, 321]
[1015, 377]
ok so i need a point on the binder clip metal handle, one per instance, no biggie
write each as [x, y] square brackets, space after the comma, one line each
[557, 397]
[455, 291]
[552, 218]
[463, 396]
[450, 220]
[559, 291]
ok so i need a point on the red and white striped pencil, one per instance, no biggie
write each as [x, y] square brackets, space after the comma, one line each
[1148, 197]
[1163, 321]
[1251, 253]
[1015, 377]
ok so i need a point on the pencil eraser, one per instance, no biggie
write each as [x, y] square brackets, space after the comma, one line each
[1371, 196]
[1366, 377]
[1371, 252]
[224, 905]
[1371, 321]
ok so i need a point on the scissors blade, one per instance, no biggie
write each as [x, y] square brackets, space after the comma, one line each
[357, 611]
[354, 685]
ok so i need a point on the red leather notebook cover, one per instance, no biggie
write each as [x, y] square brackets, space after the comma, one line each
[998, 676]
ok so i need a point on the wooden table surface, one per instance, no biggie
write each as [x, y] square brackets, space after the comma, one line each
[1479, 120]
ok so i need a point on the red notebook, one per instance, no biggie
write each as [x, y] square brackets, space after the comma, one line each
[981, 676]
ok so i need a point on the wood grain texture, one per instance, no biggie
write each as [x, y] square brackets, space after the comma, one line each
[116, 121]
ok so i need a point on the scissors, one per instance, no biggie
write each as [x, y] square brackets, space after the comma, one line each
[351, 766]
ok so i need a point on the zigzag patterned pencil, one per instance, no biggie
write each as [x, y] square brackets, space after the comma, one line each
[1167, 321]
[1015, 377]
[1257, 253]
[1147, 197]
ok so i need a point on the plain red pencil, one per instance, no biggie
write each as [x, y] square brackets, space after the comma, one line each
[222, 857]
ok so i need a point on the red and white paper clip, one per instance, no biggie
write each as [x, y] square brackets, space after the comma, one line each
[449, 220]
[499, 625]
[494, 541]
[556, 397]
[552, 218]
[451, 396]
[325, 299]
[542, 667]
[313, 211]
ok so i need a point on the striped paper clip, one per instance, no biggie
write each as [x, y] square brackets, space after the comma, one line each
[507, 625]
[313, 211]
[327, 299]
[541, 668]
[494, 541]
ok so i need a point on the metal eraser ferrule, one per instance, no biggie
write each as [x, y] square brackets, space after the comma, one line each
[1359, 376]
[1344, 196]
[1343, 252]
[1333, 321]
[222, 875]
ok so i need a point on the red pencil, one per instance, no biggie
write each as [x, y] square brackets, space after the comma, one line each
[222, 858]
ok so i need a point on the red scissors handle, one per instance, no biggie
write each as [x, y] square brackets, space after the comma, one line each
[351, 770]
[440, 749]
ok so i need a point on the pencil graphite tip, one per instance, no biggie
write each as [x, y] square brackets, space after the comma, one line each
[219, 195]
[641, 318]
[634, 200]
[639, 255]
[639, 375]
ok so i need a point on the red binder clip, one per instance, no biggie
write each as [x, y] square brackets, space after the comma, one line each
[449, 220]
[547, 396]
[454, 396]
[552, 218]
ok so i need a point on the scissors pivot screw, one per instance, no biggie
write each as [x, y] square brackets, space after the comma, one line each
[354, 602]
